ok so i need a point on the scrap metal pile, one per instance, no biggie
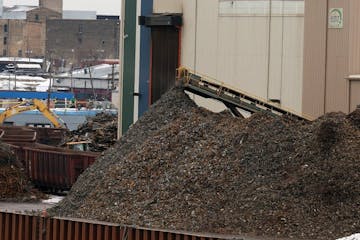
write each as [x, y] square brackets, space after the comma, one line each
[185, 168]
[14, 185]
[100, 131]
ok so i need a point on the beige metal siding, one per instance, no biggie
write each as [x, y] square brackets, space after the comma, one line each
[354, 54]
[337, 62]
[169, 6]
[314, 57]
[276, 57]
[354, 94]
[354, 37]
[292, 61]
[242, 49]
[243, 53]
[335, 52]
[207, 37]
[188, 34]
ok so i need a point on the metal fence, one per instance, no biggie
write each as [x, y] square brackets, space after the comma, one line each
[26, 227]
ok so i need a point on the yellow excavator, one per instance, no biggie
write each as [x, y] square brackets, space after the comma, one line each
[33, 104]
[36, 104]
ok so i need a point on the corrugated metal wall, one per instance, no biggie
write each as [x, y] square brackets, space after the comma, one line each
[354, 36]
[315, 57]
[354, 90]
[330, 56]
[170, 6]
[251, 51]
[295, 59]
[337, 66]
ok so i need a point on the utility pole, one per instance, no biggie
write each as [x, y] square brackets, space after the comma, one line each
[14, 63]
[121, 66]
[92, 84]
[71, 79]
[49, 89]
[112, 75]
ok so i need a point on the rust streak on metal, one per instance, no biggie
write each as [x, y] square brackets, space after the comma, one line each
[98, 232]
[7, 226]
[1, 225]
[62, 229]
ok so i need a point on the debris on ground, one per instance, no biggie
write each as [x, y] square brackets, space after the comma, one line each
[6, 155]
[14, 184]
[100, 131]
[182, 167]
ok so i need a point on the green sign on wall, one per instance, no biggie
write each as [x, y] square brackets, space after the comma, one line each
[336, 18]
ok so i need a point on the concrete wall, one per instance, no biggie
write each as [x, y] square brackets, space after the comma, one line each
[253, 52]
[75, 40]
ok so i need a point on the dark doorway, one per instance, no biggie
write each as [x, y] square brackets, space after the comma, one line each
[164, 60]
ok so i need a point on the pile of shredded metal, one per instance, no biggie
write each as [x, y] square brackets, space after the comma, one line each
[14, 184]
[99, 131]
[185, 168]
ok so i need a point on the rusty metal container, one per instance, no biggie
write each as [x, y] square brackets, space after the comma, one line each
[18, 134]
[52, 168]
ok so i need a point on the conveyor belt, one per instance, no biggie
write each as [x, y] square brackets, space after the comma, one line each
[233, 99]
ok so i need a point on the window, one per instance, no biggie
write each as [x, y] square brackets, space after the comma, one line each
[5, 40]
[20, 53]
[5, 28]
[80, 28]
[37, 17]
[4, 52]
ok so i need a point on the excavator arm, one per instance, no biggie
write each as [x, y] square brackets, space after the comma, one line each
[33, 105]
[53, 118]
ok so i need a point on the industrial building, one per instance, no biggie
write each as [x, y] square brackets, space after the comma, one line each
[65, 37]
[299, 54]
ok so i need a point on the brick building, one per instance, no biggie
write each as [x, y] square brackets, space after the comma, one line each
[22, 32]
[55, 5]
[74, 42]
[15, 44]
[40, 31]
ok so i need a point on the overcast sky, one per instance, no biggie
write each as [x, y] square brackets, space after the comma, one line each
[111, 7]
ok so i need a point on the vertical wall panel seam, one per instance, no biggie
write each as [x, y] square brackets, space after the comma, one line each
[196, 26]
[269, 51]
[326, 55]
